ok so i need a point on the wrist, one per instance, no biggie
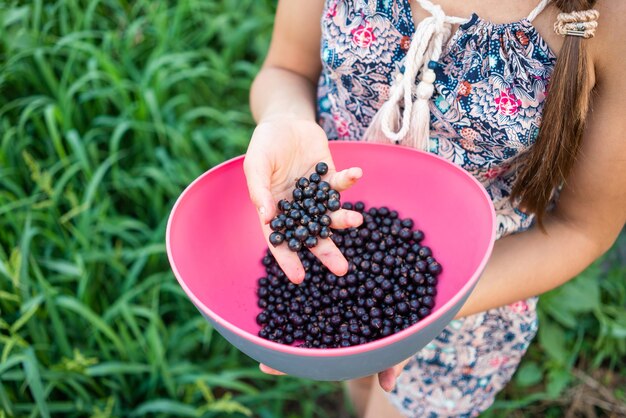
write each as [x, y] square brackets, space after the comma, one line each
[285, 116]
[279, 93]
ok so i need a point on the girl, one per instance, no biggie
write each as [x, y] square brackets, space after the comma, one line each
[526, 95]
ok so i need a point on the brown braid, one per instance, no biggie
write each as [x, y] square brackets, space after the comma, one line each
[563, 123]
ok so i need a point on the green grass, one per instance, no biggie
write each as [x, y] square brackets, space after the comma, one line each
[108, 109]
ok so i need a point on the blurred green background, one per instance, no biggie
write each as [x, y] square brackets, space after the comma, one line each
[108, 109]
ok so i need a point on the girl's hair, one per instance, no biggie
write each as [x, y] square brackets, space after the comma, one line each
[560, 135]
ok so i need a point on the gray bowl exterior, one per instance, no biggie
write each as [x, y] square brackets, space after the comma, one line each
[342, 367]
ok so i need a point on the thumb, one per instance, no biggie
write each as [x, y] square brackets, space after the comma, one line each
[387, 379]
[258, 177]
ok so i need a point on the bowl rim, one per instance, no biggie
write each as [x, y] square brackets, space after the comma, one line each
[339, 351]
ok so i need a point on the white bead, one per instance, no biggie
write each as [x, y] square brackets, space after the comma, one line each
[429, 76]
[424, 90]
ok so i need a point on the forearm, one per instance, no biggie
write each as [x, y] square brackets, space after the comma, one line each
[278, 92]
[531, 263]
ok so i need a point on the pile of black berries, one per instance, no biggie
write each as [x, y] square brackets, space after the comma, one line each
[390, 285]
[305, 218]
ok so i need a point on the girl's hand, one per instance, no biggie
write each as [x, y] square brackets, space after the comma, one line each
[387, 378]
[281, 151]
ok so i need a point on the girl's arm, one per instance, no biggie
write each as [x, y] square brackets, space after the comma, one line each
[287, 142]
[592, 207]
[285, 86]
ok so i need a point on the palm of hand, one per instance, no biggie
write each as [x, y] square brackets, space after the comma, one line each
[293, 150]
[280, 152]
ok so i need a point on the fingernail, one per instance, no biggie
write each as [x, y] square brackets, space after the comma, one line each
[298, 277]
[343, 269]
[262, 213]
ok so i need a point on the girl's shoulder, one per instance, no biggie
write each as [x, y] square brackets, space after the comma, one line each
[608, 47]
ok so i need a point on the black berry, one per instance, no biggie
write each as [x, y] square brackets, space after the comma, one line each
[321, 168]
[390, 284]
[306, 215]
[276, 238]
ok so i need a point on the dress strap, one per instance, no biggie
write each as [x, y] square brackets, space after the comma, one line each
[542, 5]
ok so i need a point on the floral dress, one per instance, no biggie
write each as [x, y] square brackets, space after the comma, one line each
[485, 114]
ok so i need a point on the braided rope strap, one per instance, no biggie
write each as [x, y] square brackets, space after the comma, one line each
[582, 24]
[426, 46]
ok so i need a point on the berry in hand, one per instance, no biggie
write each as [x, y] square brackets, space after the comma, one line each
[277, 224]
[301, 233]
[313, 199]
[315, 178]
[294, 244]
[276, 238]
[333, 205]
[310, 242]
[321, 168]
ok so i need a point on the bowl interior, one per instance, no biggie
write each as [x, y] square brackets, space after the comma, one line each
[215, 242]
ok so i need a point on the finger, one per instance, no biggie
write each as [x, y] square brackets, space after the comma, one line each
[258, 177]
[387, 379]
[344, 179]
[398, 368]
[288, 260]
[328, 253]
[343, 218]
[269, 370]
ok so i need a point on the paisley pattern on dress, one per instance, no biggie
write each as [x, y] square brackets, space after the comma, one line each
[492, 81]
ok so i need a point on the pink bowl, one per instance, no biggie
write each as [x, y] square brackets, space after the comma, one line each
[215, 246]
